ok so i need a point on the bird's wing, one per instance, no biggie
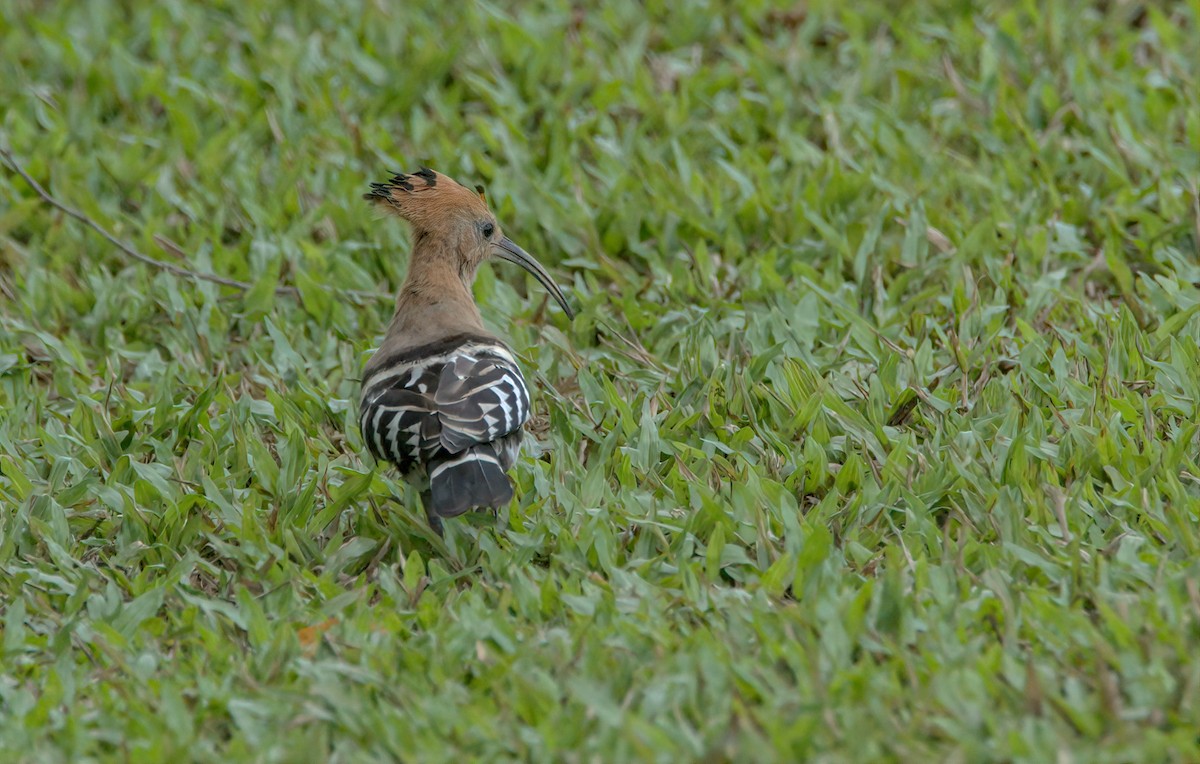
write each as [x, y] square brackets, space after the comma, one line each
[400, 424]
[479, 399]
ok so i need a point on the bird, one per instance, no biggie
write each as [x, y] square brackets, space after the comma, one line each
[442, 398]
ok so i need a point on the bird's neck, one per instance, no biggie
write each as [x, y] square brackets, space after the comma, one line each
[436, 299]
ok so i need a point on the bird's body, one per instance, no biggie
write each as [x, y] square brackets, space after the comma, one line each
[442, 398]
[452, 409]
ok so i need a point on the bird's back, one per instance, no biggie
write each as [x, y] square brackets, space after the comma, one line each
[451, 409]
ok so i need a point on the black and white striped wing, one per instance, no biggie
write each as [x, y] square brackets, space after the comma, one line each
[446, 405]
[400, 424]
[479, 399]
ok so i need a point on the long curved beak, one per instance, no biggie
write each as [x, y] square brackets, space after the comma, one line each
[514, 254]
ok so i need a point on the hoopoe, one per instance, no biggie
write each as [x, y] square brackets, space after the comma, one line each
[442, 398]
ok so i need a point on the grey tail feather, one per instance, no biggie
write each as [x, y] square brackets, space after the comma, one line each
[467, 481]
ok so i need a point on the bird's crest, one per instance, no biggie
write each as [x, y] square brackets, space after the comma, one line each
[426, 198]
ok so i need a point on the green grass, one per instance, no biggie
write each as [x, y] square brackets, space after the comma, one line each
[875, 440]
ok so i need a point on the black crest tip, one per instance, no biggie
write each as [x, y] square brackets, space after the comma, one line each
[383, 191]
[427, 175]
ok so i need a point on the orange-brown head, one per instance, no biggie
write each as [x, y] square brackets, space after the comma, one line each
[458, 219]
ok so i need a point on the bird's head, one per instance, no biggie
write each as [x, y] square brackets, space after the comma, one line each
[444, 211]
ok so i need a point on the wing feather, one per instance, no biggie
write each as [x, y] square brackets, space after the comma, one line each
[479, 399]
[445, 405]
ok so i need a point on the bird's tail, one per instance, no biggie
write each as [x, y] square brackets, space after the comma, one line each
[467, 480]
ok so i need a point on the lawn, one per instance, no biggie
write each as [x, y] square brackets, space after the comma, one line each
[876, 438]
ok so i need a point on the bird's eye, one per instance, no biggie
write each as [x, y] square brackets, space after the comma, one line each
[488, 229]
